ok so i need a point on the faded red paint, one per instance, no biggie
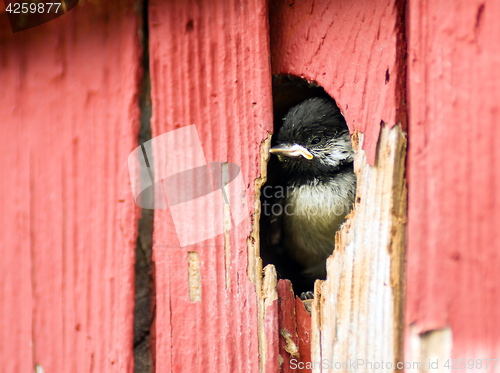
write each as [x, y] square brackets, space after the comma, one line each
[271, 324]
[352, 49]
[295, 323]
[454, 181]
[210, 67]
[69, 120]
[288, 326]
[304, 334]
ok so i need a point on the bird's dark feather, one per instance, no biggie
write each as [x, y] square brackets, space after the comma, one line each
[325, 184]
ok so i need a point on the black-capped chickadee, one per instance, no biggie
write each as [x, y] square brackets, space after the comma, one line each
[316, 156]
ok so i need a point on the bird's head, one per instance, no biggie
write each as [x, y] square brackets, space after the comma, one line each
[314, 138]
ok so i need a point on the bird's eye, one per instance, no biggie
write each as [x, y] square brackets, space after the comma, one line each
[315, 141]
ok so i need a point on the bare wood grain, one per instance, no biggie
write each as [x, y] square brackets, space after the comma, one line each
[359, 311]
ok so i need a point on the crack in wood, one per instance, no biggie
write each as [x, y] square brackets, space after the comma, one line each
[144, 267]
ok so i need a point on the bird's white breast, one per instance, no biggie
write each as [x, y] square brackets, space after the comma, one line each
[313, 213]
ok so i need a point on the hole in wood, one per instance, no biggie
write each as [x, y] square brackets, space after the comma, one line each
[311, 184]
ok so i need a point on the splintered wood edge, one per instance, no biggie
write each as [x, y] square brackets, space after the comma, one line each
[265, 283]
[397, 247]
[268, 321]
[316, 323]
[253, 242]
[391, 155]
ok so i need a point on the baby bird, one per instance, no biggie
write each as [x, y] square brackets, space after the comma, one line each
[316, 156]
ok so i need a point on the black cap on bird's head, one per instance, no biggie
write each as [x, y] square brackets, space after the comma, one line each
[314, 138]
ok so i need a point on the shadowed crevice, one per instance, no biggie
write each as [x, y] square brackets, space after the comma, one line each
[144, 271]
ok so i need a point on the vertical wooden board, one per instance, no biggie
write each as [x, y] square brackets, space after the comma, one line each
[70, 115]
[454, 157]
[361, 300]
[355, 50]
[210, 67]
[289, 342]
[295, 331]
[16, 287]
[269, 346]
[304, 335]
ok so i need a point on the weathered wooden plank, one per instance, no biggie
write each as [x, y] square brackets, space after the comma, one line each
[361, 302]
[289, 342]
[69, 121]
[268, 316]
[304, 335]
[454, 157]
[210, 67]
[355, 51]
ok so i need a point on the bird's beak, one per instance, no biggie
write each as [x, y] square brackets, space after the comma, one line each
[291, 151]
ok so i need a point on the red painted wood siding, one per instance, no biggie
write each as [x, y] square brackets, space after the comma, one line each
[69, 120]
[210, 67]
[454, 179]
[295, 331]
[352, 49]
